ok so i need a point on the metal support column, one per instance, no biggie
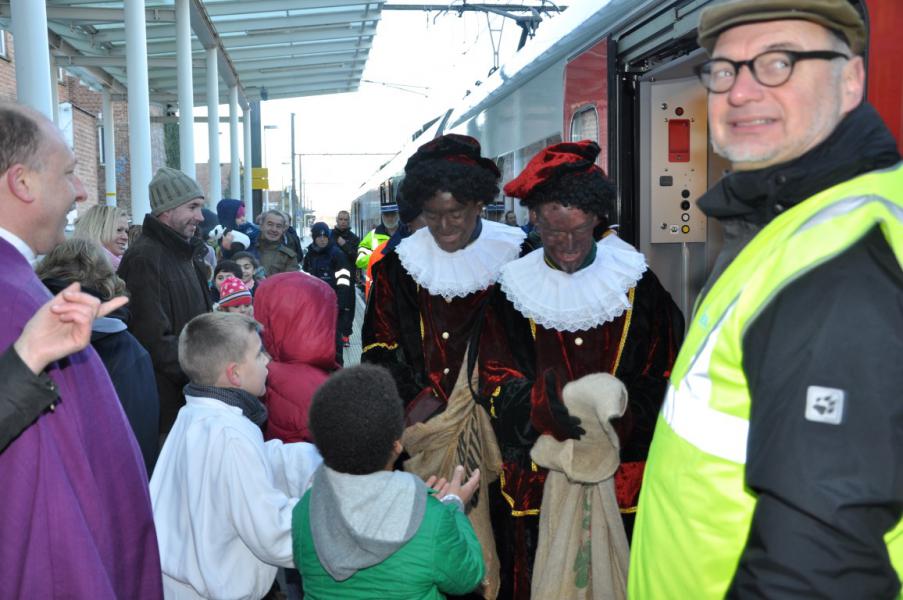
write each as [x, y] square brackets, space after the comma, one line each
[215, 189]
[246, 194]
[29, 27]
[109, 149]
[55, 96]
[139, 108]
[186, 88]
[293, 197]
[234, 157]
[256, 131]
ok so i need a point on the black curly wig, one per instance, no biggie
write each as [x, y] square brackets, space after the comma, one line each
[590, 191]
[468, 183]
[355, 418]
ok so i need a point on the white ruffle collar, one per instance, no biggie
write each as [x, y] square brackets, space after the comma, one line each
[473, 268]
[577, 301]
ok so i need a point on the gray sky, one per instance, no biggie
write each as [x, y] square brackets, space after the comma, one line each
[439, 53]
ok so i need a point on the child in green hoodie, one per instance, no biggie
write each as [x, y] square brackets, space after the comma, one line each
[364, 530]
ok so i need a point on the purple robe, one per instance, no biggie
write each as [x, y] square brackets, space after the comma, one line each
[75, 514]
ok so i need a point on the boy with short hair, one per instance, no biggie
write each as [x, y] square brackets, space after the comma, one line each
[364, 530]
[235, 297]
[223, 498]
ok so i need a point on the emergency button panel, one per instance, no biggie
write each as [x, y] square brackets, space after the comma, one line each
[679, 153]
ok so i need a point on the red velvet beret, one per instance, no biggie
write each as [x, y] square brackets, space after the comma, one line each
[452, 147]
[553, 162]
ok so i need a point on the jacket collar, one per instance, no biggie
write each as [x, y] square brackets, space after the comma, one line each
[167, 236]
[860, 143]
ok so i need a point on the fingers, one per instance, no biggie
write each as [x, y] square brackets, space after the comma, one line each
[472, 483]
[429, 482]
[111, 305]
[457, 476]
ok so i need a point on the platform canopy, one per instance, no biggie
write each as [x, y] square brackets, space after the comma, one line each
[270, 48]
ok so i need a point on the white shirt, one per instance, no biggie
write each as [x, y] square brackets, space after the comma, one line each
[223, 503]
[17, 243]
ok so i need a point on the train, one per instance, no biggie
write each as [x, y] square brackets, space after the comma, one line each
[620, 72]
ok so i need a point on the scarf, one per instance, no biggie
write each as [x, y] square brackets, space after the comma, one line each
[250, 405]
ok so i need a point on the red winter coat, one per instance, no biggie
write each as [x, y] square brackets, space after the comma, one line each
[298, 314]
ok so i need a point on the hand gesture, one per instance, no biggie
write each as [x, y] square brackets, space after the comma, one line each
[454, 487]
[61, 326]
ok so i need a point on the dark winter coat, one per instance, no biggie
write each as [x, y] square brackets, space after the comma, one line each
[298, 314]
[276, 257]
[331, 265]
[167, 282]
[132, 373]
[226, 211]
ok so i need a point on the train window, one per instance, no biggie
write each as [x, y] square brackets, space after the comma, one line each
[585, 124]
[3, 53]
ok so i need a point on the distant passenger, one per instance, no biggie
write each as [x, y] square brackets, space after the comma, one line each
[511, 218]
[223, 497]
[776, 470]
[327, 262]
[76, 518]
[434, 291]
[411, 220]
[388, 224]
[276, 255]
[346, 240]
[167, 278]
[594, 307]
[109, 227]
[367, 531]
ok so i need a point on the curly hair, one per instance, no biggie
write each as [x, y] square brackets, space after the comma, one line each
[590, 191]
[355, 418]
[467, 183]
[83, 261]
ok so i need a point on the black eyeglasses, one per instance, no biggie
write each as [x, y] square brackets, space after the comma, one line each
[771, 69]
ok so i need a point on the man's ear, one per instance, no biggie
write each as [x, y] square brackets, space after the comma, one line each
[19, 180]
[853, 84]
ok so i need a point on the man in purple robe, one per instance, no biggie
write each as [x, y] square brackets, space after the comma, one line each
[76, 516]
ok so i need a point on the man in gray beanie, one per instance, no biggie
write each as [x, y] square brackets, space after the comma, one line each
[167, 280]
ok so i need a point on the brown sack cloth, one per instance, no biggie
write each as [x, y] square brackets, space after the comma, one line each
[583, 550]
[461, 435]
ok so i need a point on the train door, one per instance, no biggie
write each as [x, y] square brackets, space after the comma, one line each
[663, 158]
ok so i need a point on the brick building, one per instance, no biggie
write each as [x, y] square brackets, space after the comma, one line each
[80, 119]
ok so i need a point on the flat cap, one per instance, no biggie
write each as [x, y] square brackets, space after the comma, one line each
[837, 15]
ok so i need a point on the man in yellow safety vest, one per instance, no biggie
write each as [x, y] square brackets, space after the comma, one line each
[776, 469]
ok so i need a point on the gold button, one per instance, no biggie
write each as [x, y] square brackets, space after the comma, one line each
[444, 335]
[445, 370]
[578, 341]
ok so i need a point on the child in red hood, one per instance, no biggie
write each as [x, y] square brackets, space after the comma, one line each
[298, 313]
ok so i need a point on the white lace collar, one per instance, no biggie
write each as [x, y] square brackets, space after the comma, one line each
[473, 268]
[577, 301]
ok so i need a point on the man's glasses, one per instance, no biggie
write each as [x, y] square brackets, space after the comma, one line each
[771, 69]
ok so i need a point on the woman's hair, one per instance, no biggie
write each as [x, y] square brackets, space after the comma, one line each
[356, 417]
[229, 266]
[82, 261]
[99, 223]
[590, 191]
[247, 255]
[468, 183]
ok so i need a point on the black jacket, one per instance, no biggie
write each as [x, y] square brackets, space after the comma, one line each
[826, 494]
[350, 247]
[167, 282]
[23, 396]
[331, 265]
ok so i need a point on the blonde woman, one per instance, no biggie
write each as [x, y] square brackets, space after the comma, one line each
[109, 227]
[126, 360]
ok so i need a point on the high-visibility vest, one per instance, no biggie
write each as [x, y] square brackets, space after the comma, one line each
[695, 511]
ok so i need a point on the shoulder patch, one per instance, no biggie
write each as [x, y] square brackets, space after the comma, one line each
[824, 405]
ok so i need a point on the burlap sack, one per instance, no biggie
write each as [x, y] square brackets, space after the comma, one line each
[583, 551]
[461, 435]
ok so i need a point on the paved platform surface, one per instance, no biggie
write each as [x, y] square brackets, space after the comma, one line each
[353, 352]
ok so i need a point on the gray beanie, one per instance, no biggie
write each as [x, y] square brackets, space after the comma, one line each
[171, 188]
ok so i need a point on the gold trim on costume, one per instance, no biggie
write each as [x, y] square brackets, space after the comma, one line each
[532, 512]
[627, 316]
[379, 345]
[533, 329]
[628, 511]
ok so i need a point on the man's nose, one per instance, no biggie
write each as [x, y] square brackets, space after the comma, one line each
[80, 193]
[746, 88]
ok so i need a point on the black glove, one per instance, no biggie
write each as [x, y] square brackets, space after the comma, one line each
[568, 422]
